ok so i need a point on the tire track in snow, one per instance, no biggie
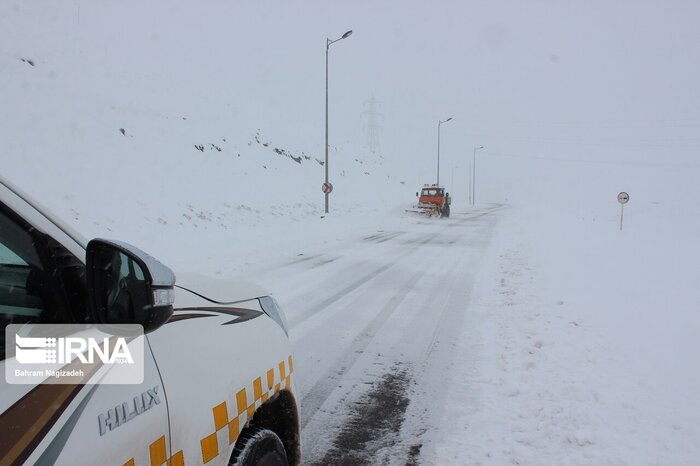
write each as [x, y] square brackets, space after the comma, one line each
[320, 392]
[434, 355]
[311, 311]
[380, 413]
[422, 334]
[337, 384]
[416, 245]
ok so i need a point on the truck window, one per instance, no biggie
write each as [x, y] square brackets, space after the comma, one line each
[21, 274]
[40, 281]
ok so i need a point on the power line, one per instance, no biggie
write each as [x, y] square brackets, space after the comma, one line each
[601, 141]
[598, 162]
[603, 124]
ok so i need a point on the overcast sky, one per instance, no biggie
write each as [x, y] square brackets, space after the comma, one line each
[548, 71]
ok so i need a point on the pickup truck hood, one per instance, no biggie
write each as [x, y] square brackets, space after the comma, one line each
[219, 291]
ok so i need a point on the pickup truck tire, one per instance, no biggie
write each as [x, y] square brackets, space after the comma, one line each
[260, 447]
[446, 211]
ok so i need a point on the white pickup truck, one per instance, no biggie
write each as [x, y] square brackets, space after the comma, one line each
[218, 377]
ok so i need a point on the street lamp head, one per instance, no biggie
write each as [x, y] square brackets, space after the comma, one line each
[481, 147]
[346, 35]
[448, 119]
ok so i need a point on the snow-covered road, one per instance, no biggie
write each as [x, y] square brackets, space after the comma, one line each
[374, 321]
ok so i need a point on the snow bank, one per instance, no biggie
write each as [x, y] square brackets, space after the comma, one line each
[587, 351]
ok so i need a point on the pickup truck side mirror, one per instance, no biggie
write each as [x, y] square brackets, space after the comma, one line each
[128, 286]
[416, 194]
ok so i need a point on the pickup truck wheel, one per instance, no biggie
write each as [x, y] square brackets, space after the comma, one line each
[261, 447]
[446, 211]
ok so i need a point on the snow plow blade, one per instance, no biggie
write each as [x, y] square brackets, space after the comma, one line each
[428, 210]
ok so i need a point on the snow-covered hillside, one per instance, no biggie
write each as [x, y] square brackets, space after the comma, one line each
[134, 128]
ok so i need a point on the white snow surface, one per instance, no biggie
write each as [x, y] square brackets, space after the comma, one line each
[578, 342]
[582, 346]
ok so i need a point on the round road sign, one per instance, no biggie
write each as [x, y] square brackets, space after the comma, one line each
[623, 197]
[327, 188]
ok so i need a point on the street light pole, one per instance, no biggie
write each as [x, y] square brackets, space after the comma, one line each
[325, 164]
[438, 154]
[328, 45]
[474, 174]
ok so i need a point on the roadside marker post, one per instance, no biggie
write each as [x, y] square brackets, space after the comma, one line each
[623, 198]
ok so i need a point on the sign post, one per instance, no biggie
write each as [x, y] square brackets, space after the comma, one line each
[623, 198]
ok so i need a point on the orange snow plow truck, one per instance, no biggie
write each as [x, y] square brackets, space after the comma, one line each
[433, 200]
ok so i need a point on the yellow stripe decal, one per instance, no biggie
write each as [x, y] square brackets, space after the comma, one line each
[210, 444]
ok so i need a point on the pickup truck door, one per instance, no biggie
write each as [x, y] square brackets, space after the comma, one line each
[60, 424]
[43, 282]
